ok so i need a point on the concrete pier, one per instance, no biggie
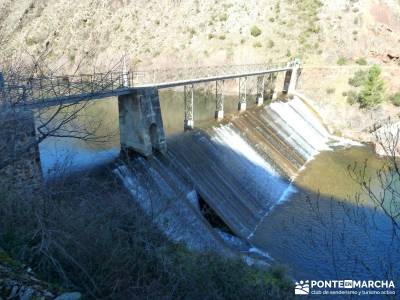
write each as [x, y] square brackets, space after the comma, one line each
[140, 122]
[291, 77]
[242, 94]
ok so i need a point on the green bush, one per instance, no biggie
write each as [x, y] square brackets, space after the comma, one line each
[395, 99]
[358, 78]
[352, 97]
[270, 44]
[223, 17]
[361, 61]
[257, 45]
[255, 31]
[373, 89]
[342, 61]
[330, 91]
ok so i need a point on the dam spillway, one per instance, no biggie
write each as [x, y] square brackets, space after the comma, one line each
[241, 168]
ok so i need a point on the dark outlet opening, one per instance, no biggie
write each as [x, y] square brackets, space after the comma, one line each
[212, 217]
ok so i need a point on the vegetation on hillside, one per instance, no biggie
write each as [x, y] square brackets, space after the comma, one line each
[372, 88]
[88, 235]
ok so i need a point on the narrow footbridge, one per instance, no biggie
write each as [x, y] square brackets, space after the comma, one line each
[141, 126]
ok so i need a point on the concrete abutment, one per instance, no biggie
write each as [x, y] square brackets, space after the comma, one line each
[140, 122]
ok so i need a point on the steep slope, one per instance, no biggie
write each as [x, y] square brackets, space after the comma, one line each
[170, 33]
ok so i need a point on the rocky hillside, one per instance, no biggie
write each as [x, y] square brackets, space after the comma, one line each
[173, 32]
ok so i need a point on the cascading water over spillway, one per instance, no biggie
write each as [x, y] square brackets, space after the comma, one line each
[241, 169]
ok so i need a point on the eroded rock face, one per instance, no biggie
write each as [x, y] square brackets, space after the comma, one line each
[387, 140]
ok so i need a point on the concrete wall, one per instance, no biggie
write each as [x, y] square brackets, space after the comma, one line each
[17, 131]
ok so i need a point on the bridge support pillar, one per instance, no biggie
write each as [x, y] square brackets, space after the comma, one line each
[260, 90]
[189, 97]
[291, 77]
[140, 122]
[219, 96]
[242, 93]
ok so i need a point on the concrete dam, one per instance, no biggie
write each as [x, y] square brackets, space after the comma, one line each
[239, 169]
[208, 183]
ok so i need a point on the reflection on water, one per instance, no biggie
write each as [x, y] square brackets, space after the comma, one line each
[102, 115]
[319, 238]
[62, 154]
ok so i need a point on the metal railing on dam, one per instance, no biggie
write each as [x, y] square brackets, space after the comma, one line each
[52, 90]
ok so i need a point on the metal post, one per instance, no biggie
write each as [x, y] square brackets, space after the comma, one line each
[260, 90]
[188, 93]
[219, 97]
[125, 80]
[242, 93]
[1, 82]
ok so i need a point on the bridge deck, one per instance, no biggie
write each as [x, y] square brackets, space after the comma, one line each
[46, 92]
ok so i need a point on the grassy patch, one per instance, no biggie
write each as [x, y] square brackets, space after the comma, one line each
[395, 99]
[342, 61]
[361, 61]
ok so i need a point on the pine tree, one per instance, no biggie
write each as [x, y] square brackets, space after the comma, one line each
[373, 90]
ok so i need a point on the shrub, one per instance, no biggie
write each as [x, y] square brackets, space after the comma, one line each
[255, 31]
[352, 97]
[358, 78]
[395, 99]
[223, 17]
[270, 44]
[222, 37]
[330, 91]
[373, 89]
[272, 20]
[257, 45]
[342, 61]
[361, 61]
[90, 235]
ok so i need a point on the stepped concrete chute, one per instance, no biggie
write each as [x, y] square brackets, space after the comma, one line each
[140, 122]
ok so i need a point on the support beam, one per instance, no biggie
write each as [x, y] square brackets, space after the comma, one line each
[189, 97]
[219, 97]
[140, 122]
[260, 90]
[291, 77]
[269, 90]
[242, 93]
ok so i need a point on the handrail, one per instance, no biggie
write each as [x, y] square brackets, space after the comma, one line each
[31, 89]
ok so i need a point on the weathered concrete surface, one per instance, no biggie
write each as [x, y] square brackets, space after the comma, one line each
[19, 148]
[140, 122]
[170, 202]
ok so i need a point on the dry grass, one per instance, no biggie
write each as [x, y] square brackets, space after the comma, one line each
[88, 235]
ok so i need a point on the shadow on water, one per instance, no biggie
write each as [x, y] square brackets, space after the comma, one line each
[317, 236]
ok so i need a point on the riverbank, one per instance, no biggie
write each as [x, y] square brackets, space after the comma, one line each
[328, 96]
